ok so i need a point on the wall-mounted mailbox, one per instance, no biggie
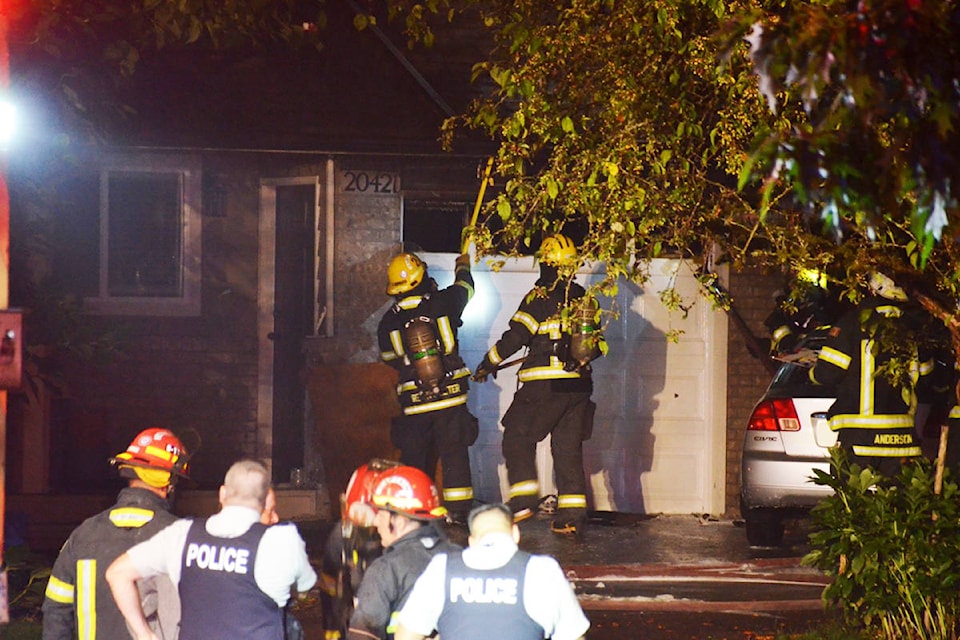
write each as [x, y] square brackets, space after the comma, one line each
[11, 348]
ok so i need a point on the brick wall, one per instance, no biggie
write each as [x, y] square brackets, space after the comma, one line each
[747, 377]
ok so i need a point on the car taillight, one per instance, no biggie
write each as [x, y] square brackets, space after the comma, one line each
[774, 415]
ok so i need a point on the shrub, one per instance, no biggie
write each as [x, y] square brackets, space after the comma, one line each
[891, 548]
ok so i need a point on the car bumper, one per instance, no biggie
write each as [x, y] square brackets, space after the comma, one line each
[777, 482]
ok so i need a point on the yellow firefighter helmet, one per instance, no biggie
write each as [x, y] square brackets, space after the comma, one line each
[558, 251]
[405, 272]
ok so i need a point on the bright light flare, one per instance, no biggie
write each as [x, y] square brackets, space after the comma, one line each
[8, 122]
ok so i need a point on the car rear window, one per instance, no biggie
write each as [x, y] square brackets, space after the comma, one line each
[794, 380]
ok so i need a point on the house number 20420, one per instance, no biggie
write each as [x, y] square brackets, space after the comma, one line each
[371, 182]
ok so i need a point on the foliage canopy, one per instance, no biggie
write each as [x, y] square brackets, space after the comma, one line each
[802, 135]
[818, 134]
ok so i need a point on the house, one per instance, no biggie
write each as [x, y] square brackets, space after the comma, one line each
[235, 241]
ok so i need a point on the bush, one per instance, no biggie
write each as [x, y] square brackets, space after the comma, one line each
[891, 548]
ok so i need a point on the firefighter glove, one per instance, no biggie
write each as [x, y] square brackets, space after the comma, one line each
[484, 369]
[462, 262]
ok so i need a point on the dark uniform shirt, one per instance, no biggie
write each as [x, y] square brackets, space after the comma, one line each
[486, 603]
[388, 580]
[78, 602]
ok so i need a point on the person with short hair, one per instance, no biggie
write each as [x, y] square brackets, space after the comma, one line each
[77, 602]
[491, 589]
[233, 572]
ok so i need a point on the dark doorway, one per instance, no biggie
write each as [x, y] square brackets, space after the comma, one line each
[293, 319]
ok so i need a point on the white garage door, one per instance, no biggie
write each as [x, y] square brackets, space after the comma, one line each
[659, 436]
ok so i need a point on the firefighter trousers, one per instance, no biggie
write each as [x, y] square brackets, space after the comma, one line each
[537, 411]
[449, 433]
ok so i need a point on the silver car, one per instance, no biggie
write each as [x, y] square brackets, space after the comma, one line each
[787, 438]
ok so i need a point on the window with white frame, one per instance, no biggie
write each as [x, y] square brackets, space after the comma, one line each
[149, 237]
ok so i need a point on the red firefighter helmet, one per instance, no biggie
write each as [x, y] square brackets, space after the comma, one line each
[359, 494]
[410, 492]
[156, 449]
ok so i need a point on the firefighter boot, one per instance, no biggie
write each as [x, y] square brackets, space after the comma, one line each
[569, 522]
[522, 511]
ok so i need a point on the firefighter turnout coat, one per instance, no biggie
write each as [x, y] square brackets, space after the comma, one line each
[442, 308]
[554, 399]
[433, 419]
[873, 417]
[78, 602]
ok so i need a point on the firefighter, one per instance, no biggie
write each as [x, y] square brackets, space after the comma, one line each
[78, 602]
[811, 312]
[418, 337]
[554, 397]
[407, 508]
[872, 415]
[352, 545]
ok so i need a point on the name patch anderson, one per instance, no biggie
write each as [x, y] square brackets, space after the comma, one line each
[214, 558]
[484, 590]
[893, 438]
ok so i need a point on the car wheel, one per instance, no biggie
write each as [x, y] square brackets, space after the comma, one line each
[764, 531]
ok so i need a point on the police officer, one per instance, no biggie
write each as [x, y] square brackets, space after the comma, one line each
[408, 506]
[873, 416]
[418, 337]
[492, 590]
[554, 397]
[77, 603]
[234, 573]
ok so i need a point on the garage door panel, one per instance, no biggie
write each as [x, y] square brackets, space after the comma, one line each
[673, 481]
[659, 435]
[682, 399]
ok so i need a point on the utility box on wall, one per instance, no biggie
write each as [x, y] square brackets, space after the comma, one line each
[11, 348]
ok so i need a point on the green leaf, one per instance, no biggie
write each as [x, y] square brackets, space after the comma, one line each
[504, 210]
[746, 172]
[567, 124]
[552, 188]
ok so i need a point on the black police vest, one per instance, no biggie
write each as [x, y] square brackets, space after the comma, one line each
[481, 604]
[219, 596]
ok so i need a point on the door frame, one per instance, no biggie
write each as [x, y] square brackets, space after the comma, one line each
[266, 287]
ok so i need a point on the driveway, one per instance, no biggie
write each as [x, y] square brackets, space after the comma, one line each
[676, 576]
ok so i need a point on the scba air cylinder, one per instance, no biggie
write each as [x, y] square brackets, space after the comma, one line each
[424, 352]
[585, 335]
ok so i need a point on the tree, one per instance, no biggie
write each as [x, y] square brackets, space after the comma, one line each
[826, 139]
[875, 162]
[616, 122]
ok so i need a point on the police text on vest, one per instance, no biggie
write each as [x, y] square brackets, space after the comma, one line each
[213, 558]
[484, 590]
